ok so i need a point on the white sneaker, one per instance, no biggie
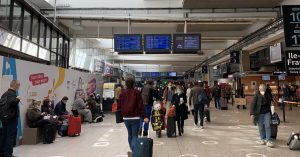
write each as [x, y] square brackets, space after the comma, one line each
[201, 127]
[262, 142]
[195, 124]
[205, 119]
[270, 144]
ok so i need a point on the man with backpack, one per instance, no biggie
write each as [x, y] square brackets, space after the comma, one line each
[199, 98]
[9, 112]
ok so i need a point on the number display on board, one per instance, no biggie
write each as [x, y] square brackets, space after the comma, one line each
[291, 17]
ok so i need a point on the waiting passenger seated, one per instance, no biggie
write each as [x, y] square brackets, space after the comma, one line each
[95, 109]
[35, 118]
[82, 109]
[46, 107]
[60, 108]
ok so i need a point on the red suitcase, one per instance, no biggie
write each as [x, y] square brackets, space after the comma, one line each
[74, 128]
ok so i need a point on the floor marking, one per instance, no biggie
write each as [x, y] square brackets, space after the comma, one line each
[102, 139]
[197, 129]
[235, 121]
[106, 135]
[255, 155]
[234, 127]
[188, 155]
[101, 144]
[121, 156]
[210, 142]
[158, 143]
[115, 130]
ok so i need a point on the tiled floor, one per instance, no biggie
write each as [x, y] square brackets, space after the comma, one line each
[230, 134]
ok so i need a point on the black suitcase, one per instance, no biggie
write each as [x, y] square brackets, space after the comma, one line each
[207, 114]
[143, 147]
[171, 127]
[223, 104]
[49, 133]
[119, 116]
[274, 130]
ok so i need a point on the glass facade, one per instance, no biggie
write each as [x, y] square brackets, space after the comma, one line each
[25, 29]
[17, 19]
[4, 13]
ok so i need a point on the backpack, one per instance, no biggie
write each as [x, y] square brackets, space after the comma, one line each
[5, 111]
[202, 98]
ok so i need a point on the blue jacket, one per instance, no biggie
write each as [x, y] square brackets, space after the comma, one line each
[60, 109]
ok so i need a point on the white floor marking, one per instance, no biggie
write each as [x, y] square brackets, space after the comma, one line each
[188, 155]
[255, 155]
[197, 129]
[101, 144]
[234, 121]
[210, 142]
[158, 143]
[106, 135]
[234, 127]
[102, 139]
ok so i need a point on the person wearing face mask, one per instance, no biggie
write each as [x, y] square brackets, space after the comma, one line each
[60, 107]
[260, 113]
[179, 100]
[168, 95]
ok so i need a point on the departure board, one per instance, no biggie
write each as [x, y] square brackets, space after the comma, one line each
[157, 43]
[186, 43]
[291, 18]
[128, 43]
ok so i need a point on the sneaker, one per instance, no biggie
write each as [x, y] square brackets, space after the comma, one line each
[270, 144]
[195, 124]
[129, 154]
[201, 127]
[262, 142]
[205, 119]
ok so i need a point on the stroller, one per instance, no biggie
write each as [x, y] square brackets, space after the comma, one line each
[158, 118]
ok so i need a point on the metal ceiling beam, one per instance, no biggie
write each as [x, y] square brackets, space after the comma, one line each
[257, 35]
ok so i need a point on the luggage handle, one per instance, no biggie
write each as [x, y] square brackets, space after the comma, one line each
[148, 129]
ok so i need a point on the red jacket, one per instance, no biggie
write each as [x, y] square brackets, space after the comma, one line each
[131, 104]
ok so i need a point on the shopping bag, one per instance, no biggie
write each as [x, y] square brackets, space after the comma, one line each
[114, 107]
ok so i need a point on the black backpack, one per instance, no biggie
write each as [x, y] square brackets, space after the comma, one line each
[5, 111]
[202, 98]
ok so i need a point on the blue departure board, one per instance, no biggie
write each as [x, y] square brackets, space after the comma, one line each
[128, 43]
[157, 43]
[172, 74]
[186, 43]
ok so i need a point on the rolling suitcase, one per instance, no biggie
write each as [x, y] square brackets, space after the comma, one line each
[143, 147]
[294, 141]
[223, 104]
[49, 133]
[171, 127]
[74, 128]
[207, 114]
[274, 130]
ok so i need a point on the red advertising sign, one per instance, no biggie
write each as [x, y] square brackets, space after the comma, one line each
[38, 79]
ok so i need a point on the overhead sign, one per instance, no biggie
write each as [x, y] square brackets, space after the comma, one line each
[291, 18]
[292, 63]
[276, 73]
[235, 57]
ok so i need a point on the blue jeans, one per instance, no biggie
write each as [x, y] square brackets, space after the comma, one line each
[217, 103]
[9, 133]
[264, 128]
[133, 131]
[148, 110]
[199, 108]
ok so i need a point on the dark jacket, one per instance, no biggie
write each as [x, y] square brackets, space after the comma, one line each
[194, 94]
[131, 104]
[13, 102]
[147, 95]
[33, 116]
[258, 102]
[216, 93]
[47, 110]
[181, 108]
[60, 109]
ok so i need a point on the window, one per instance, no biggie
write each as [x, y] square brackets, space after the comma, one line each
[42, 34]
[60, 45]
[16, 23]
[35, 29]
[48, 37]
[53, 58]
[54, 40]
[27, 25]
[4, 13]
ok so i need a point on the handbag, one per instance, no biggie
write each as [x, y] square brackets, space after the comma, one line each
[114, 107]
[119, 116]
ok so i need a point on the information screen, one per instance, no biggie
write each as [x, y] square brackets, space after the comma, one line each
[128, 43]
[183, 43]
[172, 74]
[157, 43]
[291, 18]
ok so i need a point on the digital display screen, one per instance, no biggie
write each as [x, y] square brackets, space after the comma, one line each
[291, 19]
[183, 43]
[128, 43]
[157, 43]
[172, 74]
[266, 78]
[146, 74]
[155, 74]
[165, 74]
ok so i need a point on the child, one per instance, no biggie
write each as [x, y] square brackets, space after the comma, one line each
[158, 118]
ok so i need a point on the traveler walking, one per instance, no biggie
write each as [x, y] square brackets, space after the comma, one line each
[179, 100]
[188, 95]
[132, 108]
[260, 112]
[196, 93]
[147, 96]
[216, 94]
